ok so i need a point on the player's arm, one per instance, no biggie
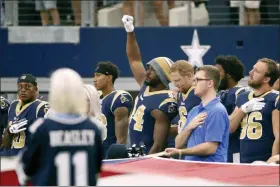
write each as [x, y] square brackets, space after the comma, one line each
[133, 51]
[161, 131]
[275, 125]
[121, 124]
[235, 119]
[173, 130]
[6, 140]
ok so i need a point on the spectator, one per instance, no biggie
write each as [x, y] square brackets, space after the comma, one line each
[46, 7]
[252, 12]
[206, 132]
[76, 6]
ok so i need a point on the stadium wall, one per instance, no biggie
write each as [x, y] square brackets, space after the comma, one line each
[40, 50]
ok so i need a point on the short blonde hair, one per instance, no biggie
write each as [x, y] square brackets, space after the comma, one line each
[183, 67]
[66, 92]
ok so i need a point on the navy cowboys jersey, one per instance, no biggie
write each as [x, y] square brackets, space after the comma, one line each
[228, 99]
[62, 151]
[141, 125]
[109, 103]
[29, 112]
[256, 138]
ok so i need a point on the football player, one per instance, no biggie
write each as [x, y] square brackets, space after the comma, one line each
[155, 106]
[231, 72]
[257, 113]
[116, 105]
[22, 114]
[66, 147]
[182, 73]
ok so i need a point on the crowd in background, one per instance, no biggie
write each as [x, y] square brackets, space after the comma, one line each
[68, 12]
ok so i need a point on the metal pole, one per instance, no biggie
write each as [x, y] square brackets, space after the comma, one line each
[15, 12]
[92, 14]
[137, 13]
[1, 14]
[241, 13]
[84, 11]
[190, 12]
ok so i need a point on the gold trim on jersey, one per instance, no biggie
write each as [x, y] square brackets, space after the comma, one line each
[168, 100]
[19, 104]
[39, 107]
[119, 92]
[107, 95]
[185, 96]
[148, 93]
[251, 95]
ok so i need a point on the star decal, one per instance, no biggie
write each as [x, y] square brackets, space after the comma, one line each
[195, 51]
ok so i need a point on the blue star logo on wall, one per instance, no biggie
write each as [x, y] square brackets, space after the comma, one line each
[195, 51]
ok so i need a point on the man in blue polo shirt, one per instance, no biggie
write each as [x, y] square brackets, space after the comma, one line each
[206, 132]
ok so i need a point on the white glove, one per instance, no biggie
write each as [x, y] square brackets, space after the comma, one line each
[253, 105]
[18, 127]
[128, 23]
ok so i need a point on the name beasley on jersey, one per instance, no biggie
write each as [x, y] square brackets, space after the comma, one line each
[71, 138]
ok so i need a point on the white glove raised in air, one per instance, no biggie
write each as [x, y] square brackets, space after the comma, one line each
[128, 23]
[18, 127]
[253, 105]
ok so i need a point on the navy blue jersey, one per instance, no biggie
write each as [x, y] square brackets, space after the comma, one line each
[256, 138]
[62, 152]
[141, 125]
[29, 112]
[228, 99]
[3, 114]
[109, 104]
[185, 102]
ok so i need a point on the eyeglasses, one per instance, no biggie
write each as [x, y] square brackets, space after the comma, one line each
[196, 80]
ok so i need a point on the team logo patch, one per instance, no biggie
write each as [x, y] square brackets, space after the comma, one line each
[123, 99]
[172, 108]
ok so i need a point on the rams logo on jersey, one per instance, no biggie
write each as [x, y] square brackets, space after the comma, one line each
[123, 99]
[172, 108]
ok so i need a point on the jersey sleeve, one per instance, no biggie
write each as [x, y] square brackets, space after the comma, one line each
[4, 105]
[217, 125]
[241, 99]
[169, 107]
[122, 99]
[42, 109]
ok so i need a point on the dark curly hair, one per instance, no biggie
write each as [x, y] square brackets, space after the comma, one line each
[112, 67]
[232, 66]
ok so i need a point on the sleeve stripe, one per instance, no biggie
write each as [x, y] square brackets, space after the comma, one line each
[168, 100]
[39, 107]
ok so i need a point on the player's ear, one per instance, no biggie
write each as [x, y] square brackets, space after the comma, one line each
[36, 88]
[266, 79]
[189, 75]
[110, 78]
